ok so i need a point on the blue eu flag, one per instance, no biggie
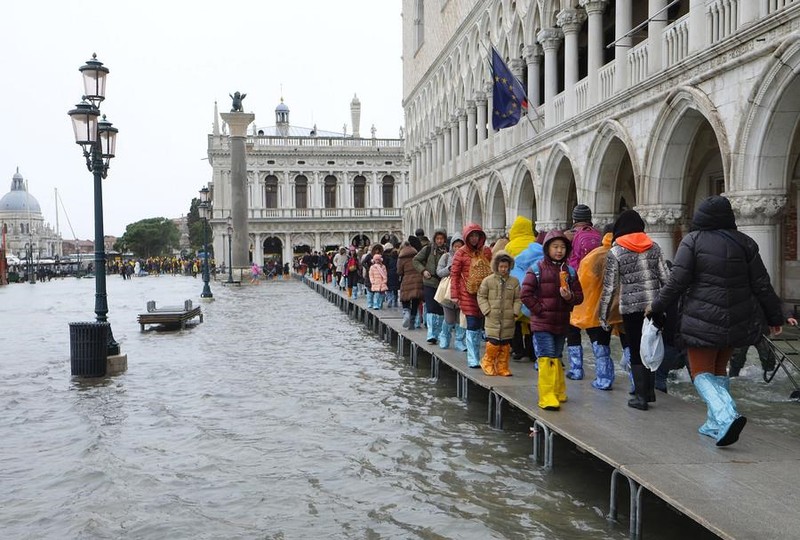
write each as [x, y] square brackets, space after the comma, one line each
[508, 96]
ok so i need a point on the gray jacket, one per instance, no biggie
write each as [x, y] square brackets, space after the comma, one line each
[639, 276]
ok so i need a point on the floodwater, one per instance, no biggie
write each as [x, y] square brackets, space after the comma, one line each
[277, 418]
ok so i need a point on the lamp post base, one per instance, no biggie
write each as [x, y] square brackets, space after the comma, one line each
[116, 364]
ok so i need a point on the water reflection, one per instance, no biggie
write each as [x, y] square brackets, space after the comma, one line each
[275, 418]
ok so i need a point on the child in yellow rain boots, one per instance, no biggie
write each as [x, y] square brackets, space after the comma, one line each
[498, 298]
[550, 290]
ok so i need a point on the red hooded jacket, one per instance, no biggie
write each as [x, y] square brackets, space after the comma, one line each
[459, 271]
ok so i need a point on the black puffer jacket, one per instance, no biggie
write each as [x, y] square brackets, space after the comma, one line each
[721, 281]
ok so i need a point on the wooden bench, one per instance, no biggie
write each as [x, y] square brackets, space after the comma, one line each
[169, 316]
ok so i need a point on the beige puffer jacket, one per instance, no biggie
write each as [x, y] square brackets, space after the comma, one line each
[499, 300]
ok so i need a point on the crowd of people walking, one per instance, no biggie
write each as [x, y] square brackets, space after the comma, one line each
[528, 297]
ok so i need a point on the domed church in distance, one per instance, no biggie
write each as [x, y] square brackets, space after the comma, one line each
[25, 226]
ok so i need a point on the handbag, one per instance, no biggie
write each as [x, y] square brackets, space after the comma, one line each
[652, 346]
[442, 294]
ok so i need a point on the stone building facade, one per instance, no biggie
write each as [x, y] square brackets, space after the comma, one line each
[26, 229]
[309, 189]
[652, 105]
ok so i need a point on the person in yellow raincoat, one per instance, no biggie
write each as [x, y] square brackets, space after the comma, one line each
[586, 316]
[520, 236]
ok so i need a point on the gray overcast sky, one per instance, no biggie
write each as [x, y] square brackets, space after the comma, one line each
[169, 61]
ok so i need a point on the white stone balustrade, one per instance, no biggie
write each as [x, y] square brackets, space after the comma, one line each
[637, 63]
[558, 108]
[774, 5]
[582, 94]
[722, 19]
[676, 41]
[607, 81]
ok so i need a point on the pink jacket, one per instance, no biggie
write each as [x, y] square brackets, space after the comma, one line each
[378, 277]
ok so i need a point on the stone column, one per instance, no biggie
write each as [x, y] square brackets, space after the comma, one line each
[759, 217]
[594, 10]
[570, 21]
[462, 131]
[238, 122]
[655, 36]
[288, 252]
[258, 249]
[375, 192]
[447, 141]
[533, 57]
[663, 221]
[440, 147]
[623, 23]
[550, 39]
[480, 103]
[471, 123]
[453, 125]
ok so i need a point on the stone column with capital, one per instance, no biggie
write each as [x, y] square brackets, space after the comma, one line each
[533, 58]
[594, 10]
[570, 21]
[462, 131]
[238, 122]
[453, 129]
[759, 216]
[480, 103]
[448, 143]
[550, 39]
[663, 223]
[471, 123]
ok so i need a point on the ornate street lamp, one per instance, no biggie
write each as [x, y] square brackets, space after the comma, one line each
[98, 139]
[204, 208]
[230, 251]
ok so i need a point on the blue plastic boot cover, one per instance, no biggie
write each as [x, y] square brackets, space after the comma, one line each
[438, 321]
[575, 362]
[445, 335]
[721, 407]
[429, 323]
[474, 338]
[461, 334]
[604, 367]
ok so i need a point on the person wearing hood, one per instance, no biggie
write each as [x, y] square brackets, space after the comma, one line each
[393, 281]
[411, 287]
[451, 312]
[379, 281]
[584, 237]
[471, 264]
[498, 298]
[724, 290]
[521, 237]
[426, 262]
[550, 290]
[339, 260]
[636, 270]
[585, 316]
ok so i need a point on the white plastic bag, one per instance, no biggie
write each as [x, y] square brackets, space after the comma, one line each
[652, 347]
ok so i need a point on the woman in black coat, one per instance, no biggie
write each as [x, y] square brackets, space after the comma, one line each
[724, 288]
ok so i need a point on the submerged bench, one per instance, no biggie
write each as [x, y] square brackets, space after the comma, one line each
[169, 316]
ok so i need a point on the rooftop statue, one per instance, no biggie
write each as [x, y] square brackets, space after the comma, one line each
[237, 98]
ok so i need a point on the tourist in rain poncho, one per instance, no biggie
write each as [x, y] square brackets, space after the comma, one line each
[585, 315]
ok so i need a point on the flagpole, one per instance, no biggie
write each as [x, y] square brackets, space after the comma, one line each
[530, 105]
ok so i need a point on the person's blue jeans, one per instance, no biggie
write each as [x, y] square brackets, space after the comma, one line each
[547, 344]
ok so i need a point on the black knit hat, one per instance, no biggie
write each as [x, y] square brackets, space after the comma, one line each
[415, 242]
[628, 222]
[419, 233]
[582, 213]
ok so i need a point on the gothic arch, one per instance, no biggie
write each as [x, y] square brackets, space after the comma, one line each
[474, 205]
[522, 194]
[495, 203]
[608, 153]
[765, 160]
[559, 188]
[441, 217]
[458, 211]
[671, 144]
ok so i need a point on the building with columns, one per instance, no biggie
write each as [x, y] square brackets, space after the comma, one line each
[27, 232]
[308, 189]
[651, 105]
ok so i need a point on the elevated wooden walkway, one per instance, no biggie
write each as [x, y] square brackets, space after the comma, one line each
[745, 491]
[169, 316]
